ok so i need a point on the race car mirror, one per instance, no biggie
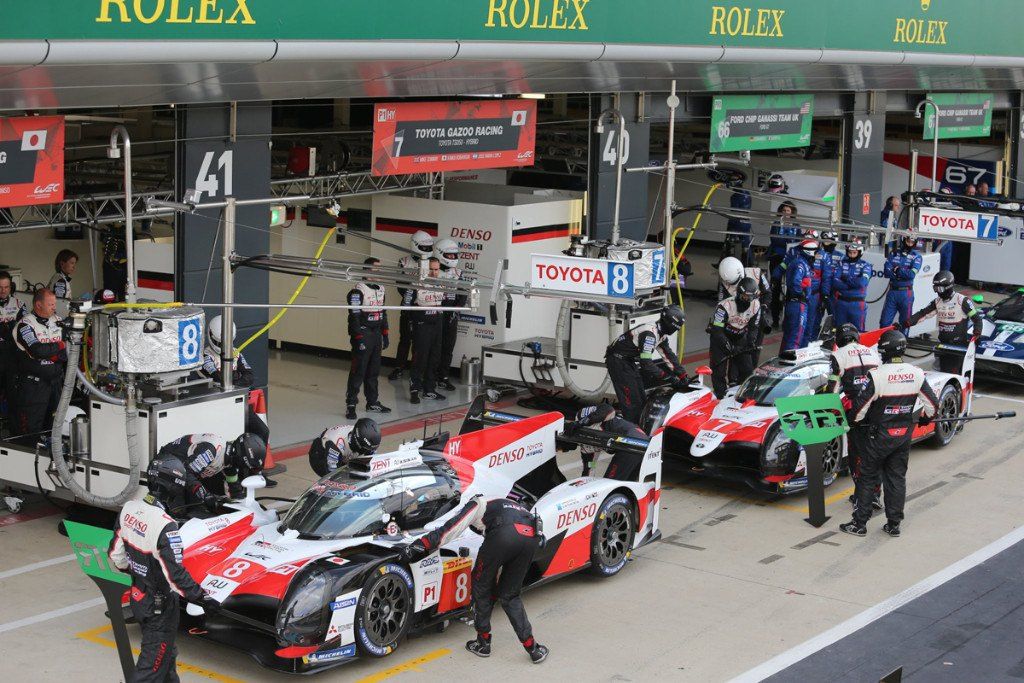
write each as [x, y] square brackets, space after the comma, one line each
[703, 370]
[978, 298]
[90, 545]
[813, 422]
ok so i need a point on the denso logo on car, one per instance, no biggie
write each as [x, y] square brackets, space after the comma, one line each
[573, 516]
[506, 457]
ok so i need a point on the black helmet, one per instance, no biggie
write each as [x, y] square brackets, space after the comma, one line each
[365, 437]
[746, 290]
[166, 480]
[909, 242]
[847, 334]
[943, 284]
[672, 319]
[891, 345]
[829, 239]
[776, 184]
[247, 453]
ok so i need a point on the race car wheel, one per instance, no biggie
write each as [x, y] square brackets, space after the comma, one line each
[832, 460]
[384, 610]
[611, 538]
[949, 406]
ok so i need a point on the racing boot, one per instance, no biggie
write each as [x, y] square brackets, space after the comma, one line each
[350, 412]
[378, 407]
[481, 647]
[853, 528]
[414, 396]
[434, 396]
[538, 653]
[892, 528]
[395, 374]
[446, 384]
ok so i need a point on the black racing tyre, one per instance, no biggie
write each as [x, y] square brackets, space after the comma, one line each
[832, 461]
[611, 537]
[384, 610]
[949, 406]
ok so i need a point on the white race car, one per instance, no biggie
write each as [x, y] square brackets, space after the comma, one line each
[739, 438]
[323, 585]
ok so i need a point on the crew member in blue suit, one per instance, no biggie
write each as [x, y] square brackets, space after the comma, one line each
[850, 287]
[784, 233]
[798, 287]
[901, 268]
[832, 260]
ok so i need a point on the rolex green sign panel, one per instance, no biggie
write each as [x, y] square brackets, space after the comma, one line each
[986, 27]
[961, 115]
[811, 420]
[749, 122]
[90, 545]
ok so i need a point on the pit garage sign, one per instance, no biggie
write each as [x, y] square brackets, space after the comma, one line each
[582, 275]
[963, 224]
[418, 137]
[31, 160]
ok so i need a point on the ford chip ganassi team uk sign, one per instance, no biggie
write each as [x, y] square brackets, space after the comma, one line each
[582, 275]
[417, 137]
[31, 160]
[947, 223]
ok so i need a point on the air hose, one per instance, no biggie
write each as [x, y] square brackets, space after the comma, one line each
[64, 473]
[676, 258]
[563, 368]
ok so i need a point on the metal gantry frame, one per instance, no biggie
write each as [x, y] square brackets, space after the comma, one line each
[104, 209]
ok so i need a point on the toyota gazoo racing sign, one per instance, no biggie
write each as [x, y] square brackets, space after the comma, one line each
[582, 275]
[420, 137]
[31, 160]
[947, 223]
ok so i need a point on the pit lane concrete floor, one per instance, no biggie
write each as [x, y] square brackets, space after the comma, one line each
[737, 579]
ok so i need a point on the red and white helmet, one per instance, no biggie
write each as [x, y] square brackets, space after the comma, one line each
[809, 248]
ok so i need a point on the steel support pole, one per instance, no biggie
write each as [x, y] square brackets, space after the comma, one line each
[227, 341]
[129, 231]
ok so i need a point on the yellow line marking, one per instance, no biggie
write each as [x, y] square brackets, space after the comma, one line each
[845, 493]
[411, 665]
[93, 636]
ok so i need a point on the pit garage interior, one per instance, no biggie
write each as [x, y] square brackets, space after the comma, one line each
[258, 146]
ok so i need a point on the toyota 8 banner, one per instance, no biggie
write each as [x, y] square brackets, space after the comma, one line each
[31, 160]
[419, 137]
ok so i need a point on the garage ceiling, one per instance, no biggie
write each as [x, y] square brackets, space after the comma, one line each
[75, 74]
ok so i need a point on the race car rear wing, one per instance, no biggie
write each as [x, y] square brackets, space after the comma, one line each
[479, 416]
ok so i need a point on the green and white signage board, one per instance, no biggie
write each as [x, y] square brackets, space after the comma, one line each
[961, 115]
[752, 122]
[810, 420]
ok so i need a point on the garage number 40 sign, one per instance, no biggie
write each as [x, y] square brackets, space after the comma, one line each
[813, 419]
[582, 275]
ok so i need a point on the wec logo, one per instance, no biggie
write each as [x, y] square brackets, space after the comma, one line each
[52, 187]
[820, 418]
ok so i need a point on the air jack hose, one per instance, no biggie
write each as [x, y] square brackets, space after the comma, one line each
[560, 361]
[64, 473]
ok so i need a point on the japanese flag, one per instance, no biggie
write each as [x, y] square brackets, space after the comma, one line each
[33, 141]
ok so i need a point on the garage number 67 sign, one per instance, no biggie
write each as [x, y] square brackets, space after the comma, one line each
[813, 419]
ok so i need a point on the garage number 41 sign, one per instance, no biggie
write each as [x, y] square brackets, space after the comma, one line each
[810, 420]
[582, 275]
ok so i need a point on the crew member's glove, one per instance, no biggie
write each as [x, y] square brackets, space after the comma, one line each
[680, 384]
[385, 342]
[847, 403]
[412, 552]
[925, 420]
[766, 326]
[209, 605]
[571, 428]
[214, 503]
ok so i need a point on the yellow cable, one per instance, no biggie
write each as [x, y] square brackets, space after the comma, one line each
[676, 258]
[295, 295]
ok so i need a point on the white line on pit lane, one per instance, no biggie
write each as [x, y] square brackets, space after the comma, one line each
[53, 614]
[859, 621]
[36, 565]
[998, 398]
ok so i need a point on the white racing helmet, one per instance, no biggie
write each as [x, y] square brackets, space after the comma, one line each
[213, 332]
[422, 242]
[447, 252]
[730, 270]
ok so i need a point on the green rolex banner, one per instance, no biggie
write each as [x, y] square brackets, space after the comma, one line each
[752, 122]
[813, 419]
[961, 115]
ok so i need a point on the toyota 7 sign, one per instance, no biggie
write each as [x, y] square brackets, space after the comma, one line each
[963, 224]
[31, 160]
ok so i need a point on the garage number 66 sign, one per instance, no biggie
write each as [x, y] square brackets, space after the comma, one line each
[812, 420]
[582, 275]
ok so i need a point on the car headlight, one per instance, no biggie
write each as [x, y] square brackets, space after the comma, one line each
[302, 617]
[780, 455]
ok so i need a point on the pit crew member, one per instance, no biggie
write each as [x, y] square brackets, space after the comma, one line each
[41, 361]
[426, 347]
[11, 311]
[735, 328]
[368, 334]
[423, 245]
[850, 282]
[798, 287]
[624, 466]
[901, 268]
[213, 466]
[956, 313]
[337, 445]
[447, 252]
